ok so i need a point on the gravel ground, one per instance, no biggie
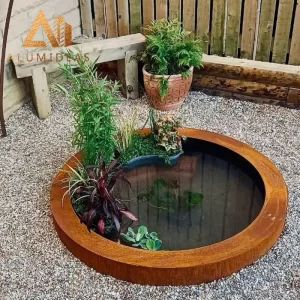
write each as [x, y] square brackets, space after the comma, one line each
[35, 265]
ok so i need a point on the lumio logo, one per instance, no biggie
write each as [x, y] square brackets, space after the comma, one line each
[59, 36]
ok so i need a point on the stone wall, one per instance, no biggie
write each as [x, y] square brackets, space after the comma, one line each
[16, 91]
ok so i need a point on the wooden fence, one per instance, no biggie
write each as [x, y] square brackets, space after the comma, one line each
[265, 30]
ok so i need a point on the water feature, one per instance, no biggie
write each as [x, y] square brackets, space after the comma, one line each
[210, 195]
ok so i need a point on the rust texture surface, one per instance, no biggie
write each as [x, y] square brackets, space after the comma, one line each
[179, 267]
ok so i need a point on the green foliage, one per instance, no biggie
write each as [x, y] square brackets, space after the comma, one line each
[123, 138]
[165, 195]
[91, 101]
[90, 189]
[142, 145]
[76, 177]
[166, 134]
[163, 86]
[169, 51]
[142, 239]
[163, 140]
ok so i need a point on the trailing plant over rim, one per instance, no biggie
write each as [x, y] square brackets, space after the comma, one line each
[92, 100]
[170, 51]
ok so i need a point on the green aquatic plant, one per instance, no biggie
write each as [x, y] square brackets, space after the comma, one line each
[165, 195]
[142, 239]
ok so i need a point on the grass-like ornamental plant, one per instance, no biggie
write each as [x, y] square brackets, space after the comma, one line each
[170, 51]
[125, 133]
[90, 189]
[142, 239]
[92, 99]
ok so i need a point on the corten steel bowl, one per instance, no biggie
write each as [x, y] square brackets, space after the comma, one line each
[183, 267]
[177, 91]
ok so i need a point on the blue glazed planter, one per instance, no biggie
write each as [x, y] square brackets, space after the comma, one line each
[146, 160]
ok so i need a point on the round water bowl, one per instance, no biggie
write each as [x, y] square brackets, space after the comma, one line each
[221, 207]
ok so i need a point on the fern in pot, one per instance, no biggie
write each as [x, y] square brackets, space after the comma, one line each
[169, 59]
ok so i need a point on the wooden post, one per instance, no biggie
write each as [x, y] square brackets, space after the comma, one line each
[131, 75]
[128, 75]
[41, 93]
[122, 76]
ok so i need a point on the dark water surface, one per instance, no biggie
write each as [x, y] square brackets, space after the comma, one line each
[210, 195]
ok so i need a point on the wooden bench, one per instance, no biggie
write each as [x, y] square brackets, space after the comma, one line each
[123, 49]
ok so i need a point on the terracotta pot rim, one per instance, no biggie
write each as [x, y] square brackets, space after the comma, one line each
[145, 72]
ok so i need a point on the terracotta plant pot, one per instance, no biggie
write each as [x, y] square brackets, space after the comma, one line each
[178, 90]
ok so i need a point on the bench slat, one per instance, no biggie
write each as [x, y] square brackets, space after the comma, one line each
[106, 50]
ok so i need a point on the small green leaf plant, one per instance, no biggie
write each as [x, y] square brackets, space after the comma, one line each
[166, 134]
[170, 51]
[142, 239]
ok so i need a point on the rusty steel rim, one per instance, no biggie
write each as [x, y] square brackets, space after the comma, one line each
[182, 267]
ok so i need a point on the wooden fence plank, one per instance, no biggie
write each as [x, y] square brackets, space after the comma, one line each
[233, 27]
[295, 45]
[175, 9]
[264, 42]
[100, 22]
[148, 12]
[281, 40]
[86, 18]
[217, 31]
[123, 17]
[135, 16]
[161, 9]
[189, 15]
[111, 18]
[203, 19]
[249, 27]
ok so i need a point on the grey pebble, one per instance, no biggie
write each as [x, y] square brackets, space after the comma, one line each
[34, 264]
